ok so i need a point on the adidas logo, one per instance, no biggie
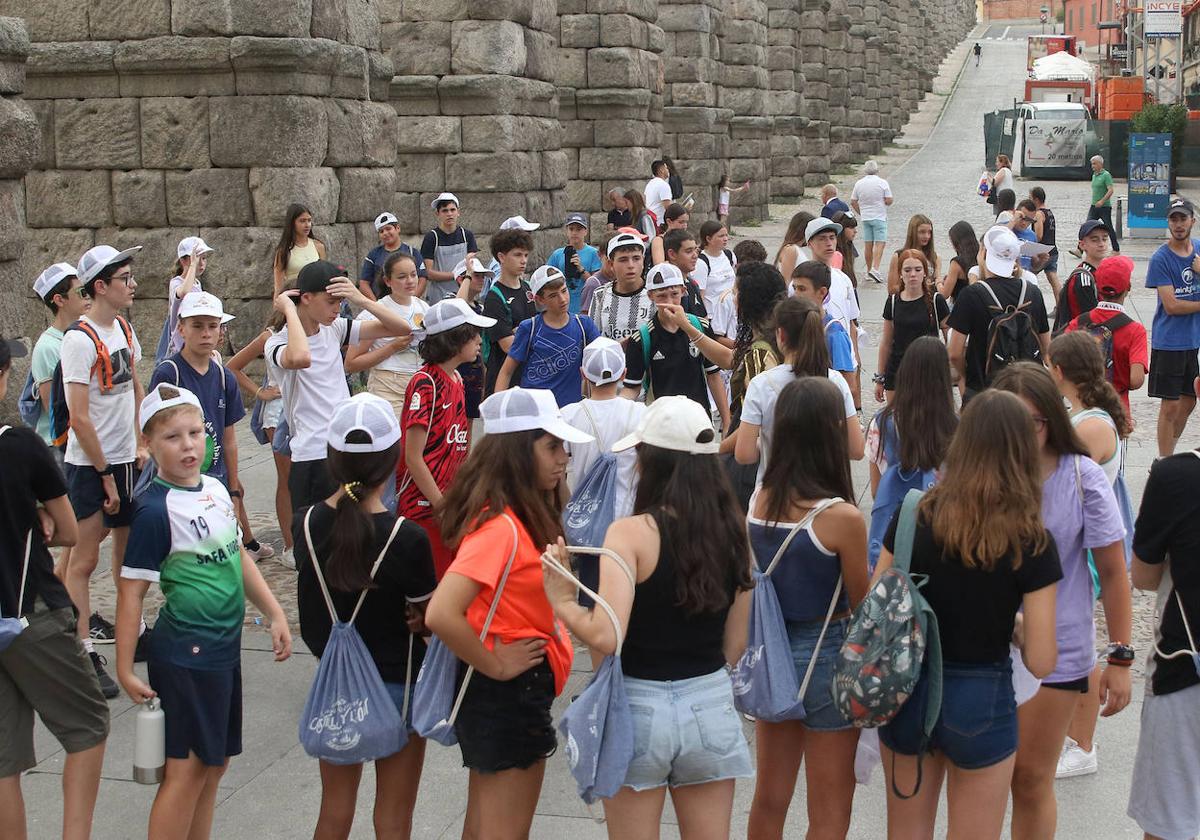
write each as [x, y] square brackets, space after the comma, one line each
[658, 356]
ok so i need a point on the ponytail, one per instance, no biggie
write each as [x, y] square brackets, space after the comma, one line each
[350, 549]
[1077, 355]
[804, 347]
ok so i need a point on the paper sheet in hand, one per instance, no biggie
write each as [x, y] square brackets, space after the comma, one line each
[1035, 249]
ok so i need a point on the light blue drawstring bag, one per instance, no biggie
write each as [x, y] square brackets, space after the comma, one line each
[349, 717]
[894, 484]
[598, 725]
[593, 504]
[435, 701]
[765, 685]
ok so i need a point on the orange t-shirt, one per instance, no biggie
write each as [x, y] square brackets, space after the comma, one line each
[523, 612]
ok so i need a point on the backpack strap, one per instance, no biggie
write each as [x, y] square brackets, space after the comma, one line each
[1187, 629]
[906, 529]
[644, 332]
[378, 562]
[551, 562]
[312, 556]
[988, 287]
[25, 566]
[175, 368]
[808, 520]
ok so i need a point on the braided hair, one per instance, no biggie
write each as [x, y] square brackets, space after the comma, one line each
[1077, 355]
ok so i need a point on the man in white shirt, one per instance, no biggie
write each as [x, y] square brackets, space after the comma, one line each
[305, 358]
[870, 200]
[658, 191]
[841, 305]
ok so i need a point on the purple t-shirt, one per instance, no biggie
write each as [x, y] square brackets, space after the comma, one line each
[1077, 526]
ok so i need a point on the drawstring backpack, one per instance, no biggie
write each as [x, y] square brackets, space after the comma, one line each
[893, 485]
[350, 717]
[764, 678]
[435, 702]
[598, 725]
[593, 505]
[10, 628]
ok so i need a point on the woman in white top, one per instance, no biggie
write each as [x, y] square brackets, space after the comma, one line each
[792, 250]
[714, 272]
[1002, 180]
[676, 218]
[297, 246]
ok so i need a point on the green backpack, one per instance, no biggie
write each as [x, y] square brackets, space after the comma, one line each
[892, 634]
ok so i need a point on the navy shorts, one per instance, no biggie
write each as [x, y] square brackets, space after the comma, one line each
[978, 724]
[86, 492]
[507, 725]
[203, 710]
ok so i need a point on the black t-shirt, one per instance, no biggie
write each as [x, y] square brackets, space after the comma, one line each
[975, 608]
[406, 574]
[972, 315]
[1168, 530]
[620, 218]
[693, 299]
[963, 280]
[30, 475]
[1078, 295]
[910, 320]
[676, 366]
[509, 307]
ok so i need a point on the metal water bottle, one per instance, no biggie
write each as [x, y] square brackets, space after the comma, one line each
[149, 743]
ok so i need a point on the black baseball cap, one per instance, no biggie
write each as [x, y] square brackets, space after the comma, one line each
[11, 348]
[1089, 226]
[1180, 205]
[316, 276]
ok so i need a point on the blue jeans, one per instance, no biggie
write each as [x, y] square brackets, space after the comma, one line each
[820, 712]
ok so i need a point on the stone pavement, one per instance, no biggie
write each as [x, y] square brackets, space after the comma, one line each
[272, 790]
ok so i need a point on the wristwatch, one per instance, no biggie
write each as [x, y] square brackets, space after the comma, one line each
[1121, 655]
[877, 379]
[108, 470]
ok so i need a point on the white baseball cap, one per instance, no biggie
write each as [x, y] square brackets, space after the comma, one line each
[545, 275]
[192, 243]
[95, 260]
[365, 413]
[820, 225]
[386, 218]
[155, 401]
[603, 361]
[675, 423]
[1003, 248]
[476, 267]
[450, 313]
[51, 277]
[518, 223]
[663, 276]
[1005, 217]
[446, 196]
[624, 240]
[525, 409]
[202, 303]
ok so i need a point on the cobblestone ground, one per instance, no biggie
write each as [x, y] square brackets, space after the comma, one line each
[272, 790]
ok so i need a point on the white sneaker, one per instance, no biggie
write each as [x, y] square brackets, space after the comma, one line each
[287, 559]
[1075, 762]
[264, 552]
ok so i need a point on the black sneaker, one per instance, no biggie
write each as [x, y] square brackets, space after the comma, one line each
[143, 645]
[108, 686]
[101, 631]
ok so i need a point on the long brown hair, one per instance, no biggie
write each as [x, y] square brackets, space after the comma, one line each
[803, 346]
[845, 246]
[809, 458]
[287, 239]
[1033, 382]
[637, 207]
[705, 530]
[922, 408]
[795, 232]
[926, 284]
[1078, 356]
[910, 240]
[496, 476]
[349, 549]
[988, 503]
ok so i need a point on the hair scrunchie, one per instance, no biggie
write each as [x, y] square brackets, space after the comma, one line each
[349, 488]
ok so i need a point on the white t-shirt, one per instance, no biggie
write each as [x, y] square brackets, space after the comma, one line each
[870, 192]
[175, 339]
[658, 197]
[802, 255]
[614, 419]
[1005, 177]
[714, 277]
[722, 315]
[310, 394]
[841, 304]
[112, 413]
[758, 407]
[413, 313]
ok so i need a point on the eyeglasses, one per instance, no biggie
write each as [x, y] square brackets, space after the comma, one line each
[127, 278]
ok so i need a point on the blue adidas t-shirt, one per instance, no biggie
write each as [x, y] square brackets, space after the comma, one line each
[840, 353]
[186, 540]
[589, 258]
[553, 357]
[1174, 332]
[220, 399]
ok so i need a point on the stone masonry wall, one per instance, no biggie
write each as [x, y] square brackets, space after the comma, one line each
[145, 121]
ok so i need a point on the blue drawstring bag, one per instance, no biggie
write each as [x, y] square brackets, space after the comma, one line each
[349, 717]
[593, 504]
[282, 442]
[256, 418]
[765, 685]
[435, 702]
[29, 404]
[1126, 506]
[164, 339]
[894, 484]
[598, 725]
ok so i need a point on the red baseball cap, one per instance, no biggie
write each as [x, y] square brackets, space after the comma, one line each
[1112, 276]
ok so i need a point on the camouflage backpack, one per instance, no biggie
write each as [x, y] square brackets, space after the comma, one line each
[892, 634]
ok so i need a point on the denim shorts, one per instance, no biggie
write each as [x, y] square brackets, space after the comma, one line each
[978, 724]
[506, 725]
[820, 712]
[685, 732]
[874, 230]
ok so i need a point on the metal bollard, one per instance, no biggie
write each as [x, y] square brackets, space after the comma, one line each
[1119, 222]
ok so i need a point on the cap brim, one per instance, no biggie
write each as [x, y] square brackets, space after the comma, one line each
[226, 318]
[563, 430]
[16, 348]
[126, 254]
[628, 442]
[476, 320]
[999, 266]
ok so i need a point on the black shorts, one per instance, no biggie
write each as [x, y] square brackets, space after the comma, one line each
[1080, 685]
[1172, 374]
[507, 725]
[86, 492]
[309, 482]
[203, 710]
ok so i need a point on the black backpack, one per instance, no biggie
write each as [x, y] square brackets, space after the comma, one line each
[1103, 333]
[1011, 336]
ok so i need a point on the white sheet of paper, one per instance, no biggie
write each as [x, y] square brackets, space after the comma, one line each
[1034, 249]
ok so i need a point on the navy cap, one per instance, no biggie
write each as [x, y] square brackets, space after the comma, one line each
[1180, 205]
[317, 275]
[580, 219]
[1089, 226]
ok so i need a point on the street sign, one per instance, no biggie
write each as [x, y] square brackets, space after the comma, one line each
[1119, 52]
[1163, 18]
[1149, 183]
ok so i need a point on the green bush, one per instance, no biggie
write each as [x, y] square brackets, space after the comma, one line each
[1155, 118]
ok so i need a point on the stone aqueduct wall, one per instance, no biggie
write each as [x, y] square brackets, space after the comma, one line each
[144, 121]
